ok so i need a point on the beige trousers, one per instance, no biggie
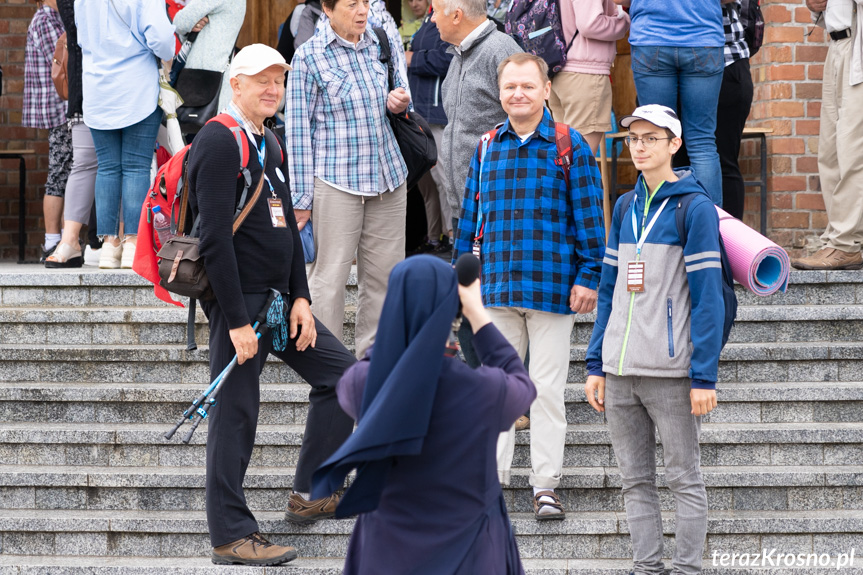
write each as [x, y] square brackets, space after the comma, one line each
[373, 229]
[840, 151]
[549, 337]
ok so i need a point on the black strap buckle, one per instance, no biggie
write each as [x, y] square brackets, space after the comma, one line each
[841, 34]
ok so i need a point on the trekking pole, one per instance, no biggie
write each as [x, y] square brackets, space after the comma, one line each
[190, 411]
[198, 411]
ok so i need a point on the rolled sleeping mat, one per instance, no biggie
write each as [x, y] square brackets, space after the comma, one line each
[757, 263]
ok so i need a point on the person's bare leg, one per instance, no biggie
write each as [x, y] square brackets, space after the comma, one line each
[593, 140]
[52, 210]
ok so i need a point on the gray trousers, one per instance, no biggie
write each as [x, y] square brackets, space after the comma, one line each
[81, 185]
[637, 407]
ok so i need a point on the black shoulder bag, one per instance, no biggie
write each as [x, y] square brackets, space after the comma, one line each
[411, 130]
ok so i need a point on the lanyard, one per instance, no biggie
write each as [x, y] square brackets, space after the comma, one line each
[479, 223]
[645, 231]
[262, 150]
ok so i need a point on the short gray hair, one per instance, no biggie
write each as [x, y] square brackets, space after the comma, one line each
[472, 9]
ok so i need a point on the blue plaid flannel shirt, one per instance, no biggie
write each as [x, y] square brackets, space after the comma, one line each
[540, 239]
[335, 118]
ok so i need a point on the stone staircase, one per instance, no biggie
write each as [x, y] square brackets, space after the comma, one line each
[94, 370]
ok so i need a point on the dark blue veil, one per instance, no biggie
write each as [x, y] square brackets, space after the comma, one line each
[421, 303]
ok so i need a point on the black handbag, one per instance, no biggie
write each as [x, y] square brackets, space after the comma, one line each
[200, 90]
[411, 130]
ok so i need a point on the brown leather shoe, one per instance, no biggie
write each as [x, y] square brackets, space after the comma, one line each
[829, 259]
[252, 550]
[302, 511]
[522, 423]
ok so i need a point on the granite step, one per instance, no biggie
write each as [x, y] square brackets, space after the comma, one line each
[123, 445]
[76, 565]
[740, 362]
[152, 325]
[582, 489]
[587, 535]
[32, 285]
[287, 403]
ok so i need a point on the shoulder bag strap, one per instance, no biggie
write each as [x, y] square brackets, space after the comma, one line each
[386, 56]
[250, 204]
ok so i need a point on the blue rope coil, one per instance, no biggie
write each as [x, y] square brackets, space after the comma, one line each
[278, 324]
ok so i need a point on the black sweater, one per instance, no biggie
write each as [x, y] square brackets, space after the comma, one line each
[260, 256]
[66, 8]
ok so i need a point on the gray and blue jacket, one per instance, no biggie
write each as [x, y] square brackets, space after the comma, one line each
[674, 328]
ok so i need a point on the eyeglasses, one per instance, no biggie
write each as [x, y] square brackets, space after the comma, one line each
[648, 141]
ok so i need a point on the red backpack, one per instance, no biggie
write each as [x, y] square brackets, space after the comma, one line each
[170, 191]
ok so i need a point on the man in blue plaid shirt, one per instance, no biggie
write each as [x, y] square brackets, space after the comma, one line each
[541, 244]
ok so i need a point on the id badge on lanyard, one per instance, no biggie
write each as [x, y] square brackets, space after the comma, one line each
[635, 270]
[274, 203]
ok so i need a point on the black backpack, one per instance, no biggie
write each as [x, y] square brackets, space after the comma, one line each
[729, 298]
[753, 24]
[308, 20]
[537, 27]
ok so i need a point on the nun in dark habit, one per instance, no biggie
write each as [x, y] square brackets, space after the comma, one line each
[426, 490]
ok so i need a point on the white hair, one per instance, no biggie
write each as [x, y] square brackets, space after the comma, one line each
[472, 9]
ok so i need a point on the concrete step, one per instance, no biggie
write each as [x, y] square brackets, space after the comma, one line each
[595, 535]
[740, 362]
[123, 445]
[582, 489]
[287, 403]
[77, 565]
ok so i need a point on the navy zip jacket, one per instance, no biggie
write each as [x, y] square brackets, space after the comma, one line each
[429, 64]
[674, 328]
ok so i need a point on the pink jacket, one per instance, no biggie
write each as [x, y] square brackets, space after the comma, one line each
[599, 27]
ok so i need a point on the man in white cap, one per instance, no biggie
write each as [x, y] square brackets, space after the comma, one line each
[654, 354]
[264, 255]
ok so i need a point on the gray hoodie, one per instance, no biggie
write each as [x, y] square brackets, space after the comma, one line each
[472, 104]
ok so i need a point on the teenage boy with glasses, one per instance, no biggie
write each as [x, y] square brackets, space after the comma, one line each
[654, 353]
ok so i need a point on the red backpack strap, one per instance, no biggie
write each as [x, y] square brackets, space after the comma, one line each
[229, 122]
[563, 141]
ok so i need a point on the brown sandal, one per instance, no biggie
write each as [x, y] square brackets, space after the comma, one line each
[537, 505]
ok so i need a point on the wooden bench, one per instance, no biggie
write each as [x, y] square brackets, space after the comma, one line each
[20, 155]
[611, 185]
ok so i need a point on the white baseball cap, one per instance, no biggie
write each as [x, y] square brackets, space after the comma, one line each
[256, 58]
[657, 115]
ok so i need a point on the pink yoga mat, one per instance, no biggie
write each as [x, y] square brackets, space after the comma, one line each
[757, 264]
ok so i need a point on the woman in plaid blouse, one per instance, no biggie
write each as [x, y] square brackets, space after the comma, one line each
[44, 109]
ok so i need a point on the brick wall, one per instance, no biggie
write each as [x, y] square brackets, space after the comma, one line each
[787, 73]
[15, 16]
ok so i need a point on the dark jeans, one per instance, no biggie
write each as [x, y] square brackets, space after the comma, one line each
[234, 419]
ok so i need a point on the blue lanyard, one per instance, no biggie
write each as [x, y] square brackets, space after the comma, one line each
[645, 230]
[262, 149]
[479, 222]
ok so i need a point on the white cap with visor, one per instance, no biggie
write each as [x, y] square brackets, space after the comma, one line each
[657, 115]
[254, 59]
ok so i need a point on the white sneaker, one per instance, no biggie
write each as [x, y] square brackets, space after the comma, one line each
[91, 256]
[128, 255]
[109, 258]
